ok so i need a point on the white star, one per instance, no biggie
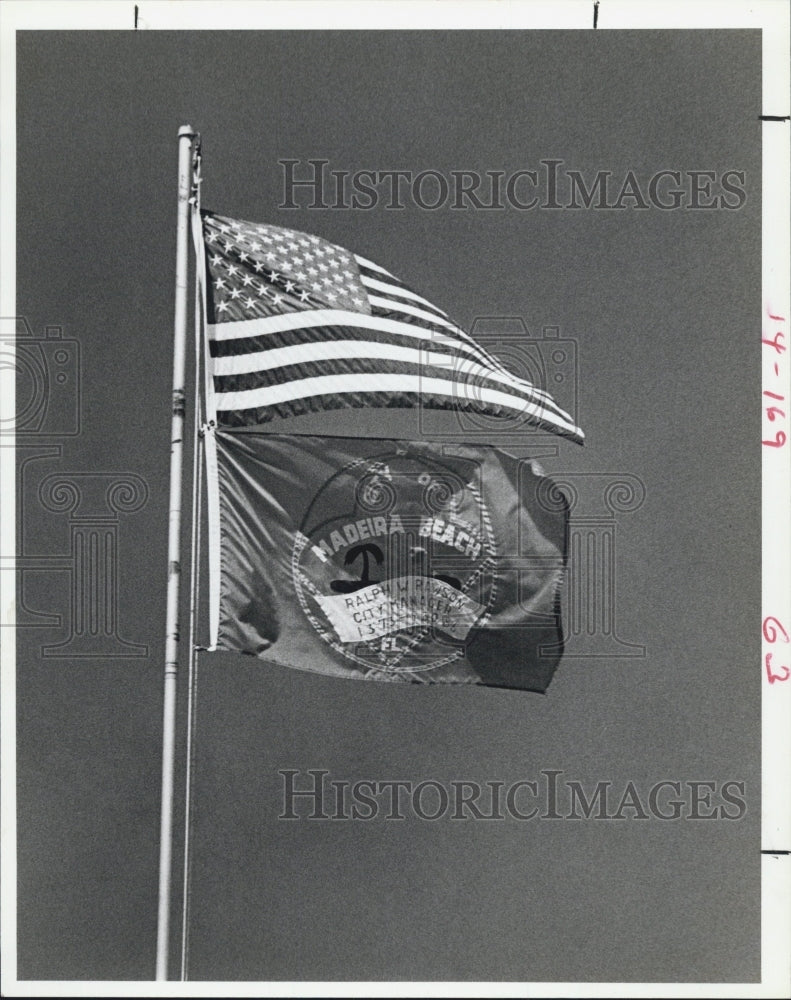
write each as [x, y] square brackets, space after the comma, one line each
[323, 267]
[229, 245]
[247, 279]
[331, 296]
[289, 286]
[263, 291]
[255, 246]
[211, 237]
[303, 296]
[316, 286]
[312, 271]
[357, 300]
[222, 307]
[232, 269]
[277, 299]
[216, 260]
[219, 283]
[271, 255]
[243, 256]
[249, 302]
[235, 293]
[258, 266]
[273, 277]
[301, 276]
[222, 227]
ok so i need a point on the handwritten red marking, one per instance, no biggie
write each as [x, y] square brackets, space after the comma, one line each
[774, 412]
[771, 676]
[772, 628]
[779, 441]
[770, 632]
[773, 343]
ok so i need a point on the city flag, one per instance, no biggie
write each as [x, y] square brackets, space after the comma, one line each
[296, 324]
[386, 560]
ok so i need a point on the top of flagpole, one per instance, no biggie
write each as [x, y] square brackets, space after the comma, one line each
[187, 130]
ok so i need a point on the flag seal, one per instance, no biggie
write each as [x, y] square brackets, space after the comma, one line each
[394, 561]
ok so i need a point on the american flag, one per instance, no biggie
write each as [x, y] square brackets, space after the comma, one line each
[297, 324]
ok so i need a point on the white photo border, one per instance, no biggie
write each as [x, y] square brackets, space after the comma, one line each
[772, 18]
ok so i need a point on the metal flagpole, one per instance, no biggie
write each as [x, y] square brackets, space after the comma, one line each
[186, 137]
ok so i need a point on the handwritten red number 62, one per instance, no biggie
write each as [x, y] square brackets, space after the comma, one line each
[771, 628]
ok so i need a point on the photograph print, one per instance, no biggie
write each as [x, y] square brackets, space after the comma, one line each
[424, 356]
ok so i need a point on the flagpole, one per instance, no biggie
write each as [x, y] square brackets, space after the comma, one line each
[186, 136]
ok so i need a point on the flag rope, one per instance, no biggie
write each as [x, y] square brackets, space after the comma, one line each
[209, 444]
[194, 608]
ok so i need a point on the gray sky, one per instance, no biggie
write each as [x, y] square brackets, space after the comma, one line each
[661, 306]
